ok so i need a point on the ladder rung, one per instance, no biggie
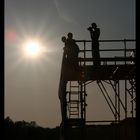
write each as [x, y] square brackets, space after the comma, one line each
[74, 114]
[74, 92]
[74, 107]
[74, 101]
[73, 111]
[74, 86]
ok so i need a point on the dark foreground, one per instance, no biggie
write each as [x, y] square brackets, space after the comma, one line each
[22, 130]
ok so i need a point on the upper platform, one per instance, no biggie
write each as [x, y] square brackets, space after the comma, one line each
[116, 64]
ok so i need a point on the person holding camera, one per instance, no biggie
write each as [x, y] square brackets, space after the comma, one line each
[95, 33]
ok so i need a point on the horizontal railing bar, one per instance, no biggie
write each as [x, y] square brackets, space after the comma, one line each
[108, 59]
[127, 50]
[103, 121]
[119, 40]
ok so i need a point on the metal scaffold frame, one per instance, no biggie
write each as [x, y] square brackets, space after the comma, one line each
[111, 72]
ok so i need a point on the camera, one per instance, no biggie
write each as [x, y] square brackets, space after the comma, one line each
[89, 28]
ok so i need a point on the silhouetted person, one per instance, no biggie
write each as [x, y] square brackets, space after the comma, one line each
[64, 39]
[63, 83]
[73, 51]
[66, 53]
[95, 33]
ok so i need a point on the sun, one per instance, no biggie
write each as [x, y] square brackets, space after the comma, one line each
[32, 49]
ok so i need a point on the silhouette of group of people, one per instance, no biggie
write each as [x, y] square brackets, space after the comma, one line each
[71, 49]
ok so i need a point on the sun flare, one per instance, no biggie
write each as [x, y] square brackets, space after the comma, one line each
[32, 48]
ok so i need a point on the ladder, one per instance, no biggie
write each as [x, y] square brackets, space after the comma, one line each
[73, 100]
[76, 101]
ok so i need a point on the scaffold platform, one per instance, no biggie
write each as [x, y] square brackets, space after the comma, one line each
[72, 85]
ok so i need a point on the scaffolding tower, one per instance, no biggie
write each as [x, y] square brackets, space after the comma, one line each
[115, 68]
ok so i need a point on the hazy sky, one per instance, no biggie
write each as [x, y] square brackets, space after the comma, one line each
[31, 87]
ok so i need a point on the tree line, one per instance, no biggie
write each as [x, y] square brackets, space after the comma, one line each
[22, 130]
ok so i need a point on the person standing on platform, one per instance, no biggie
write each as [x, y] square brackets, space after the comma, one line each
[73, 51]
[95, 33]
[64, 40]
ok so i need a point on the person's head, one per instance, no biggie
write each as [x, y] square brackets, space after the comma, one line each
[93, 25]
[63, 39]
[70, 35]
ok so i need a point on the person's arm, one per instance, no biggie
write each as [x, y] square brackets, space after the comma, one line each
[91, 34]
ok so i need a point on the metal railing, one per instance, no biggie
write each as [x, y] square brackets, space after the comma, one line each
[127, 54]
